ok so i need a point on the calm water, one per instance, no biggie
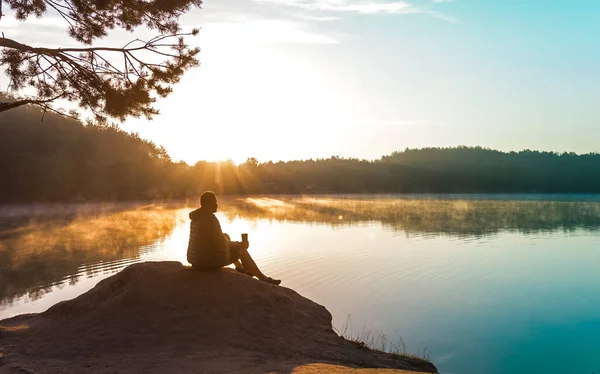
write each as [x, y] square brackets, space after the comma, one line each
[488, 284]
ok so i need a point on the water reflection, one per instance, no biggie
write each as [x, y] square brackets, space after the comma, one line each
[47, 246]
[476, 281]
[42, 251]
[461, 218]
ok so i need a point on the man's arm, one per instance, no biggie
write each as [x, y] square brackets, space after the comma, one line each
[216, 234]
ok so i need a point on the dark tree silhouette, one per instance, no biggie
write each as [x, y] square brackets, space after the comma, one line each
[60, 159]
[111, 82]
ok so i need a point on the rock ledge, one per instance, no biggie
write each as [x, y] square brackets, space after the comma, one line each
[159, 317]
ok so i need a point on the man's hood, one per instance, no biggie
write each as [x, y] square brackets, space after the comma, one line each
[195, 214]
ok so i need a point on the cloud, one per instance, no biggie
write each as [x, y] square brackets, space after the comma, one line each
[396, 7]
[319, 19]
[249, 22]
[442, 16]
[263, 31]
[364, 6]
[49, 31]
[298, 21]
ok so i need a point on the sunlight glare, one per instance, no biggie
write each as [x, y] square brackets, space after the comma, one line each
[270, 106]
[267, 202]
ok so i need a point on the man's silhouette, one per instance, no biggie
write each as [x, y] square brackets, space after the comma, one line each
[209, 248]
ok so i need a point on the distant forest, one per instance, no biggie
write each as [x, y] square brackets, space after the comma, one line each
[60, 159]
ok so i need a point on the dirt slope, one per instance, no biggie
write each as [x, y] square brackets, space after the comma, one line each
[161, 317]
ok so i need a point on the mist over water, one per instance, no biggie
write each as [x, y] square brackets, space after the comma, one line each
[494, 284]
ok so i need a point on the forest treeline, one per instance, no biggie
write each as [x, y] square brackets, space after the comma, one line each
[60, 159]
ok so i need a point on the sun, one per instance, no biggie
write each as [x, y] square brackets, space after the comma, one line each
[270, 106]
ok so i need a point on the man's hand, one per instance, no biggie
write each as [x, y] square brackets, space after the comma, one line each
[245, 245]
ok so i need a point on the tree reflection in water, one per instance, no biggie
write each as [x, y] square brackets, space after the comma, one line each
[43, 247]
[433, 216]
[38, 253]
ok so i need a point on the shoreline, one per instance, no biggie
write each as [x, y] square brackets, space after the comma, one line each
[171, 316]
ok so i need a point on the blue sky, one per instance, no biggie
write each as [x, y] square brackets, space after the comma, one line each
[288, 79]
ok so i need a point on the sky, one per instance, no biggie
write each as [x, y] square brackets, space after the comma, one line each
[300, 79]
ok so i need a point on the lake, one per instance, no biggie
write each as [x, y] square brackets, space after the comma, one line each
[483, 283]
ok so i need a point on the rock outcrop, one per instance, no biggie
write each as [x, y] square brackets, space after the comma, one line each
[162, 317]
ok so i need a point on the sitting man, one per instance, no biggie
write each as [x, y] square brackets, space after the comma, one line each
[209, 248]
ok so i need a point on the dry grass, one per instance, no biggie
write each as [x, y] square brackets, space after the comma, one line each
[378, 341]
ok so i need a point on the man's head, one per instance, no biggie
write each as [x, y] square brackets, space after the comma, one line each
[208, 200]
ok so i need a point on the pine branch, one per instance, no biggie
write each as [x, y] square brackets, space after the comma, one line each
[18, 103]
[96, 78]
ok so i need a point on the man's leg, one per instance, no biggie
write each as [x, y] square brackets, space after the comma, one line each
[237, 263]
[250, 265]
